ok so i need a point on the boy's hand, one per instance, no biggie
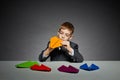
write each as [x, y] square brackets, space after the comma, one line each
[66, 44]
[47, 51]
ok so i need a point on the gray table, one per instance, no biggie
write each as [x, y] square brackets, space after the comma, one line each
[109, 70]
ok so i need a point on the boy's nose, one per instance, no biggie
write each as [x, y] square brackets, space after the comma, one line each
[63, 36]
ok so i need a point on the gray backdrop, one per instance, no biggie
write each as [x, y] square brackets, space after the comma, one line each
[27, 25]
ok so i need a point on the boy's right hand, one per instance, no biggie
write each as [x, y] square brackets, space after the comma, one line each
[47, 51]
[54, 43]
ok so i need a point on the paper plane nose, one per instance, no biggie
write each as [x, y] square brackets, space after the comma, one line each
[84, 66]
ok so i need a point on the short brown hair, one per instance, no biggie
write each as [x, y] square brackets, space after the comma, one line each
[67, 25]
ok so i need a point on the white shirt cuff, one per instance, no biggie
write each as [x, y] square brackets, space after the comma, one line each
[72, 53]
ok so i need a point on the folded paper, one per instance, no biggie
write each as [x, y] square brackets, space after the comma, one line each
[41, 67]
[84, 66]
[26, 64]
[69, 69]
[94, 67]
[55, 42]
[63, 68]
[73, 69]
[91, 68]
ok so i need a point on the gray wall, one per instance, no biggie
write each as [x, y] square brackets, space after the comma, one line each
[26, 26]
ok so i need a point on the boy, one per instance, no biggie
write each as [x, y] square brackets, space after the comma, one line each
[60, 48]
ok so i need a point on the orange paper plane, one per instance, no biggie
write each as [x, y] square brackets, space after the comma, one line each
[55, 42]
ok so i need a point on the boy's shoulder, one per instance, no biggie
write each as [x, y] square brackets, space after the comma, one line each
[73, 43]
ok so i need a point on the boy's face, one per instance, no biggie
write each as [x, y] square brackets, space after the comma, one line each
[65, 34]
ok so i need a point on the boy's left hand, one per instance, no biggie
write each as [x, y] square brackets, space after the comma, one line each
[66, 44]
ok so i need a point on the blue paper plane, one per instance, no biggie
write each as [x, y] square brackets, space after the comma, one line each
[87, 68]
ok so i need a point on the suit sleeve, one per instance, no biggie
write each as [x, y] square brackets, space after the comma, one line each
[41, 57]
[77, 57]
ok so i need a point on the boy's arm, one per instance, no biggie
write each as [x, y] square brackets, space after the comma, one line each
[70, 51]
[41, 57]
[77, 55]
[74, 53]
[45, 54]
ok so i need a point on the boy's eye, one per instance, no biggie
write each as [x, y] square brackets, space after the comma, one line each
[61, 32]
[67, 35]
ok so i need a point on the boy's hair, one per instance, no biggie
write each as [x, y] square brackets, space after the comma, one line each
[67, 25]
